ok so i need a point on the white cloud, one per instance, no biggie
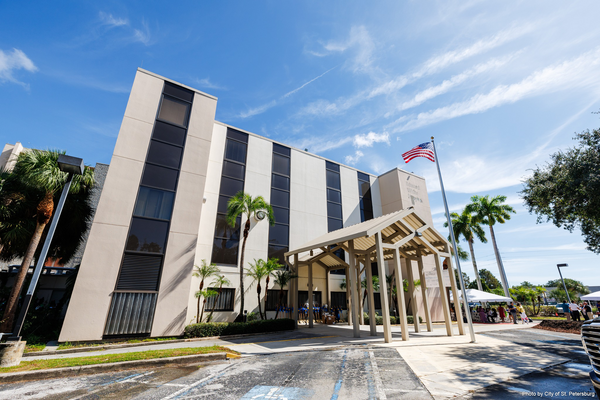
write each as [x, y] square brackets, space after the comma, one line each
[142, 35]
[352, 160]
[13, 61]
[582, 71]
[361, 42]
[370, 138]
[110, 20]
[206, 82]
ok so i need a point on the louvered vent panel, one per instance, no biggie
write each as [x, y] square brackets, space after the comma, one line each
[130, 313]
[139, 272]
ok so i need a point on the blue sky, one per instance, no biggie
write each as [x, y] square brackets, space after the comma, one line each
[500, 85]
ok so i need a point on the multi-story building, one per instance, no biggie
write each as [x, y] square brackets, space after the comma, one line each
[162, 211]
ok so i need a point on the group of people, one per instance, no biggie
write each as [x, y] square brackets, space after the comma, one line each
[319, 312]
[500, 314]
[579, 310]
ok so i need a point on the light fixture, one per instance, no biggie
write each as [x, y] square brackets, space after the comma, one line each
[71, 165]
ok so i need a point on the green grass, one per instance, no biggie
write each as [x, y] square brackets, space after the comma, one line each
[69, 345]
[34, 347]
[112, 358]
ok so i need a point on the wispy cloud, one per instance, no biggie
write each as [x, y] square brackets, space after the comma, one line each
[13, 61]
[207, 83]
[360, 41]
[353, 159]
[108, 21]
[111, 21]
[261, 109]
[142, 35]
[368, 139]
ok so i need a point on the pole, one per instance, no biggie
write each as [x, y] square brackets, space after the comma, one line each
[40, 262]
[460, 275]
[563, 281]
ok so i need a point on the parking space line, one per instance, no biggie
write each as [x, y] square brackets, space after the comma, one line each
[378, 383]
[338, 384]
[283, 340]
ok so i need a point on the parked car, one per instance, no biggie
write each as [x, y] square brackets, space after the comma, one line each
[562, 308]
[590, 337]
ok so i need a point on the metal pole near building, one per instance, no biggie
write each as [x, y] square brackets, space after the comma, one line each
[563, 281]
[460, 275]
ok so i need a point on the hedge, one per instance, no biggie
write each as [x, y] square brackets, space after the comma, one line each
[209, 329]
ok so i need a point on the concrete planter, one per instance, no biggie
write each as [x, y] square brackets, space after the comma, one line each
[11, 353]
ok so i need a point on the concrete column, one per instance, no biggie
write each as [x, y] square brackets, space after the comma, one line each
[413, 295]
[443, 297]
[456, 295]
[348, 297]
[352, 285]
[371, 297]
[295, 291]
[310, 296]
[400, 289]
[361, 310]
[383, 292]
[424, 292]
[327, 289]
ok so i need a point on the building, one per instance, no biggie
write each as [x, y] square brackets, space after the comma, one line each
[162, 211]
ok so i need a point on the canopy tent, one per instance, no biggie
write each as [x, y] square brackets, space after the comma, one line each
[478, 296]
[401, 234]
[592, 296]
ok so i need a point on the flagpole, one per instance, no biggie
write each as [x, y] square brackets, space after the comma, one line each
[460, 275]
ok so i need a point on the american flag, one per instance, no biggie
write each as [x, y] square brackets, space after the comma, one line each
[422, 150]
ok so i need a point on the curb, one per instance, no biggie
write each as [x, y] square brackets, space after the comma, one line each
[153, 343]
[12, 377]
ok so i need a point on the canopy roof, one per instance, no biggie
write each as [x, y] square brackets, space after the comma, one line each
[591, 296]
[475, 296]
[403, 229]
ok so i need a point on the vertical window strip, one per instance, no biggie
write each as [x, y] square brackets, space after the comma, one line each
[275, 248]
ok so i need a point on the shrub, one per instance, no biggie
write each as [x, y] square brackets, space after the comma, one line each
[208, 329]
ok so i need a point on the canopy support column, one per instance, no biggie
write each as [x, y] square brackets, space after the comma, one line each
[358, 288]
[456, 296]
[348, 297]
[352, 285]
[413, 295]
[445, 306]
[327, 290]
[385, 309]
[295, 291]
[310, 296]
[424, 291]
[400, 296]
[371, 299]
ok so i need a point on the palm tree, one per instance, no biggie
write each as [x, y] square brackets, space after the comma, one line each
[242, 204]
[390, 280]
[203, 271]
[282, 278]
[38, 171]
[467, 226]
[257, 272]
[204, 294]
[220, 282]
[272, 265]
[489, 211]
[363, 284]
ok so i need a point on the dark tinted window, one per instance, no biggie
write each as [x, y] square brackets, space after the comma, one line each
[366, 214]
[277, 148]
[334, 224]
[281, 164]
[164, 154]
[224, 302]
[224, 230]
[332, 166]
[147, 235]
[174, 111]
[277, 252]
[364, 188]
[225, 251]
[281, 182]
[222, 205]
[230, 187]
[374, 269]
[235, 151]
[333, 180]
[160, 177]
[178, 91]
[363, 177]
[334, 210]
[275, 298]
[334, 195]
[338, 299]
[280, 198]
[281, 215]
[278, 234]
[233, 170]
[168, 133]
[154, 203]
[303, 298]
[237, 135]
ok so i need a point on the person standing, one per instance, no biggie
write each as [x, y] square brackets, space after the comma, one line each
[513, 312]
[575, 311]
[587, 311]
[521, 311]
[501, 312]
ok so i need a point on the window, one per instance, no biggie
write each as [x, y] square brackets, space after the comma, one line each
[164, 154]
[334, 224]
[223, 303]
[364, 193]
[333, 180]
[159, 177]
[225, 251]
[374, 269]
[226, 231]
[233, 170]
[230, 187]
[169, 133]
[281, 164]
[236, 151]
[154, 203]
[303, 298]
[277, 252]
[178, 91]
[377, 301]
[174, 111]
[273, 296]
[147, 235]
[280, 182]
[334, 210]
[280, 201]
[279, 234]
[338, 299]
[139, 272]
[280, 198]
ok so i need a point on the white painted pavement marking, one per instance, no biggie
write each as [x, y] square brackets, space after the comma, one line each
[378, 383]
[189, 387]
[277, 393]
[134, 378]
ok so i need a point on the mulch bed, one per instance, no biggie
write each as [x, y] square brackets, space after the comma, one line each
[560, 326]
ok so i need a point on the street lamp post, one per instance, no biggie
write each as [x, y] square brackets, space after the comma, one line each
[563, 281]
[72, 166]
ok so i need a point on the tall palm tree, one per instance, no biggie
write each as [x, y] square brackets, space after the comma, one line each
[489, 211]
[282, 278]
[203, 271]
[38, 171]
[257, 272]
[272, 265]
[363, 284]
[205, 295]
[242, 204]
[390, 281]
[220, 282]
[467, 226]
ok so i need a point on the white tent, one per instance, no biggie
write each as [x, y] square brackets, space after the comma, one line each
[477, 296]
[592, 296]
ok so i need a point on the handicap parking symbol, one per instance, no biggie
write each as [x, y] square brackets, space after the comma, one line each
[278, 393]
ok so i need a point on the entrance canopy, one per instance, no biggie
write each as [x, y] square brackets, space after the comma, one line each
[591, 296]
[477, 296]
